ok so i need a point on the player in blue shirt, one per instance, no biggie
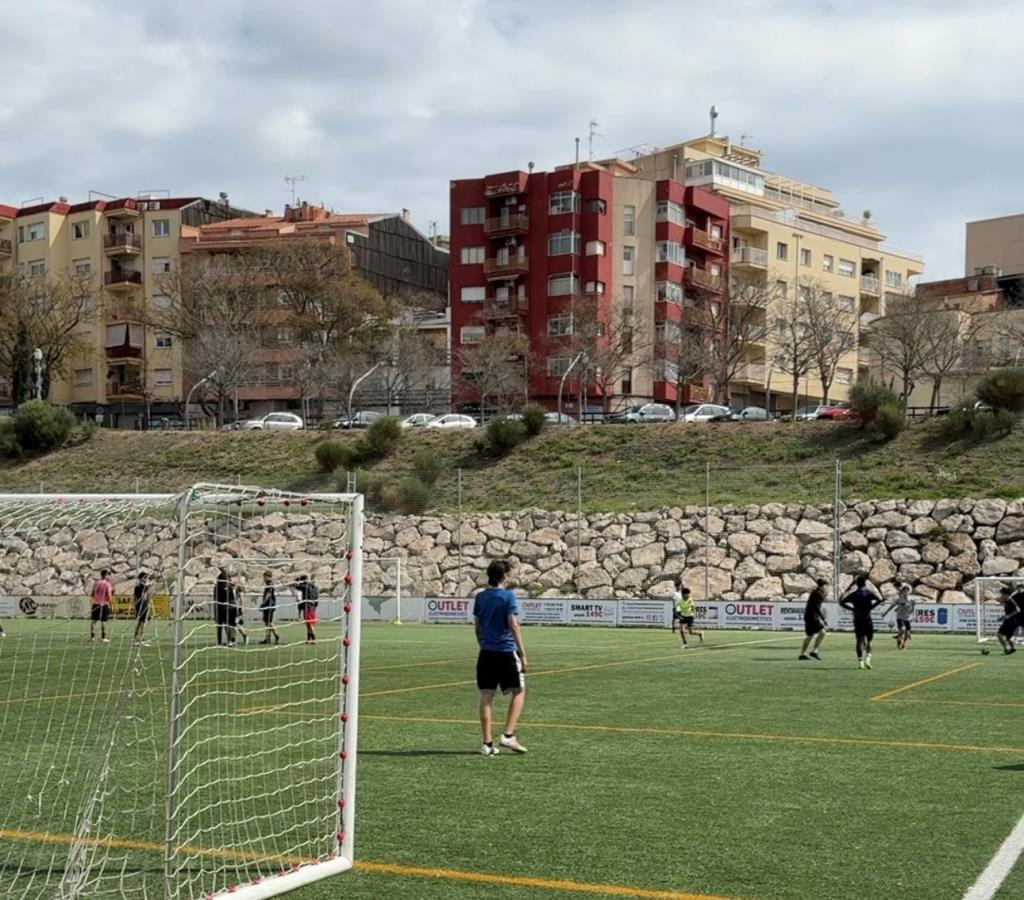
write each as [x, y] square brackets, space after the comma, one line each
[502, 659]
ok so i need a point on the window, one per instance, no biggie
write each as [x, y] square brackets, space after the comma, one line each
[670, 251]
[627, 338]
[781, 289]
[826, 298]
[563, 242]
[844, 376]
[558, 366]
[593, 287]
[284, 335]
[472, 256]
[162, 302]
[563, 202]
[34, 232]
[847, 304]
[595, 248]
[161, 265]
[847, 267]
[666, 371]
[559, 325]
[827, 261]
[781, 250]
[161, 228]
[471, 334]
[82, 266]
[597, 206]
[805, 293]
[893, 279]
[627, 381]
[161, 340]
[1005, 346]
[473, 294]
[37, 268]
[629, 220]
[471, 215]
[628, 254]
[80, 230]
[780, 327]
[716, 232]
[163, 377]
[627, 296]
[563, 284]
[667, 331]
[83, 377]
[805, 256]
[669, 291]
[668, 211]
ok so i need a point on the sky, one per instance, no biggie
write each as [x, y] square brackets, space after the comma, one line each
[914, 110]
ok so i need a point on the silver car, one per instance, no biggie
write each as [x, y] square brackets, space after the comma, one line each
[703, 412]
[417, 420]
[452, 420]
[275, 421]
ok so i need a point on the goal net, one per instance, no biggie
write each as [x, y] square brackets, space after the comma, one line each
[988, 610]
[176, 755]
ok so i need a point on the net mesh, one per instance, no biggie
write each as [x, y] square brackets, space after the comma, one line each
[988, 608]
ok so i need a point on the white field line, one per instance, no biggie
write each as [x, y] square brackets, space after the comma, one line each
[999, 866]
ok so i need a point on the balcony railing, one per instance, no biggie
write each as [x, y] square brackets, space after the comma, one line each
[868, 319]
[700, 278]
[750, 256]
[701, 238]
[121, 278]
[506, 266]
[495, 308]
[125, 389]
[124, 352]
[754, 372]
[507, 224]
[6, 248]
[869, 284]
[119, 243]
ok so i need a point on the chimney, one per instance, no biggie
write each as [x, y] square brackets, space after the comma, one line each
[406, 215]
[268, 213]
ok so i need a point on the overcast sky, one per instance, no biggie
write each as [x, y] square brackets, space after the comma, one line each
[914, 110]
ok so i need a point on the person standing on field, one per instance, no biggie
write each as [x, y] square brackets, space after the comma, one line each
[502, 658]
[141, 597]
[222, 600]
[309, 594]
[814, 621]
[100, 595]
[861, 601]
[1012, 616]
[904, 604]
[268, 606]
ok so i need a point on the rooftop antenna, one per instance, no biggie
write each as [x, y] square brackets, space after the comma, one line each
[291, 181]
[744, 138]
[593, 133]
[713, 112]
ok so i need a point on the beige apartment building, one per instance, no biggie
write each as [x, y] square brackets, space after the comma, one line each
[995, 246]
[127, 247]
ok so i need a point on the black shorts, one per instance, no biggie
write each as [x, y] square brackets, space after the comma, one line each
[865, 630]
[142, 611]
[268, 614]
[687, 620]
[812, 628]
[496, 669]
[100, 612]
[1009, 626]
[903, 624]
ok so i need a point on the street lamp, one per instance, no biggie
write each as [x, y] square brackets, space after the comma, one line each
[188, 399]
[561, 384]
[355, 384]
[37, 362]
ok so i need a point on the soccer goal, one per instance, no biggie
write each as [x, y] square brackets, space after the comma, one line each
[988, 611]
[205, 748]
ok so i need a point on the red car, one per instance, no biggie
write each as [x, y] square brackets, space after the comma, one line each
[837, 411]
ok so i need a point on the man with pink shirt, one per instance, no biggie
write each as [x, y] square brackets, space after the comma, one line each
[101, 593]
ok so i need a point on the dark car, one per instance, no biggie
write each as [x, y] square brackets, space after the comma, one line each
[362, 419]
[746, 414]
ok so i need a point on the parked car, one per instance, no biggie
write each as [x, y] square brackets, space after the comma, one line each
[557, 418]
[746, 414]
[275, 421]
[452, 420]
[416, 420]
[807, 413]
[702, 412]
[649, 412]
[837, 411]
[362, 419]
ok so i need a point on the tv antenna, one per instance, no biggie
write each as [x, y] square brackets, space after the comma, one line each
[593, 133]
[744, 138]
[291, 181]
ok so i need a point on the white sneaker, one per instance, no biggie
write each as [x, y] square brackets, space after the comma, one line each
[861, 663]
[867, 662]
[511, 743]
[488, 751]
[683, 646]
[104, 640]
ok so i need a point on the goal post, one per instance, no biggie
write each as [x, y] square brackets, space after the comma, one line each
[196, 760]
[988, 613]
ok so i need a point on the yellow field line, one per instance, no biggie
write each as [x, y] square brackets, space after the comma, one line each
[991, 703]
[727, 735]
[551, 884]
[914, 684]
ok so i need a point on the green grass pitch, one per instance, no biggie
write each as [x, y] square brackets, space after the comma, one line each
[730, 769]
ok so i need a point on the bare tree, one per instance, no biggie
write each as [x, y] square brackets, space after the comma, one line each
[793, 347]
[45, 313]
[495, 368]
[410, 361]
[680, 356]
[901, 340]
[830, 331]
[607, 344]
[950, 339]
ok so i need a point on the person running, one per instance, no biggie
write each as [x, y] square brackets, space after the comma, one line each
[861, 600]
[1018, 598]
[222, 600]
[814, 621]
[1012, 617]
[268, 606]
[501, 661]
[308, 596]
[101, 594]
[685, 613]
[142, 606]
[904, 604]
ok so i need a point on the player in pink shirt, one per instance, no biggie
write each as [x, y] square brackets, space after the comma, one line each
[101, 593]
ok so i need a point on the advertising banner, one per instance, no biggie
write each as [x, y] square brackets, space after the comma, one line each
[447, 610]
[544, 612]
[789, 616]
[8, 607]
[930, 617]
[709, 613]
[748, 614]
[593, 612]
[645, 613]
[965, 617]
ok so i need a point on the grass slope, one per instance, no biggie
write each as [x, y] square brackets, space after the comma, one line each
[730, 770]
[622, 467]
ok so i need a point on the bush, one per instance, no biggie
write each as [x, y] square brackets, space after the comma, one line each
[959, 424]
[503, 436]
[8, 444]
[381, 438]
[867, 399]
[331, 455]
[967, 423]
[39, 426]
[426, 466]
[889, 420]
[414, 497]
[1003, 389]
[534, 419]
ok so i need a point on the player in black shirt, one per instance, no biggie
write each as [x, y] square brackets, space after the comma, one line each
[814, 621]
[1011, 619]
[861, 601]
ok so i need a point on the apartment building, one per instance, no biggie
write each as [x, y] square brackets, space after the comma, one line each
[530, 249]
[995, 245]
[127, 246]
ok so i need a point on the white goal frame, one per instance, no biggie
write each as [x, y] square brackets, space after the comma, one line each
[980, 602]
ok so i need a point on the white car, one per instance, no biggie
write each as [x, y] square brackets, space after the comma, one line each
[417, 420]
[452, 420]
[703, 412]
[276, 421]
[807, 413]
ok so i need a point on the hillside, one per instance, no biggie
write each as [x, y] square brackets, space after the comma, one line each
[622, 467]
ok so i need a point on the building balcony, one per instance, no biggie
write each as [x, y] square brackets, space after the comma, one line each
[750, 258]
[698, 237]
[698, 278]
[869, 284]
[6, 248]
[123, 390]
[122, 209]
[506, 268]
[505, 184]
[517, 223]
[508, 308]
[124, 244]
[121, 280]
[124, 353]
[753, 373]
[867, 319]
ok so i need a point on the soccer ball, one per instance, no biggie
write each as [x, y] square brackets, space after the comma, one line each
[985, 651]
